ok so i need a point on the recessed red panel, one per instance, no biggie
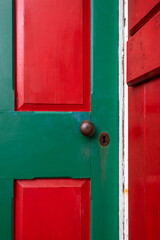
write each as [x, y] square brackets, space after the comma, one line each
[52, 55]
[143, 52]
[52, 209]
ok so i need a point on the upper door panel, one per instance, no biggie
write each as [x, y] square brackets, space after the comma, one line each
[52, 55]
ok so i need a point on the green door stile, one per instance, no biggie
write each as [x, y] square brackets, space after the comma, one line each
[105, 116]
[101, 164]
[6, 104]
[6, 208]
[6, 55]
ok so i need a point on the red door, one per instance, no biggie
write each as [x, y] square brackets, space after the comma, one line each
[144, 119]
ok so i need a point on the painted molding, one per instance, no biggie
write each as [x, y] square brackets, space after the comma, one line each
[123, 122]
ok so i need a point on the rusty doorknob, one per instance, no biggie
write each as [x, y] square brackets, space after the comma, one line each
[87, 128]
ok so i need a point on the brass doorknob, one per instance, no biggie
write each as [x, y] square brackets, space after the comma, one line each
[87, 128]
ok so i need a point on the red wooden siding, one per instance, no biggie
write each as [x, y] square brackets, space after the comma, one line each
[52, 209]
[52, 55]
[142, 63]
[144, 121]
[140, 11]
[144, 161]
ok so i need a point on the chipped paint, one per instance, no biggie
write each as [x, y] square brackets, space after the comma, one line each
[125, 191]
[123, 122]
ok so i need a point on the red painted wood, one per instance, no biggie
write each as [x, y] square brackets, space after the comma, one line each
[52, 55]
[144, 120]
[141, 11]
[144, 159]
[143, 52]
[52, 209]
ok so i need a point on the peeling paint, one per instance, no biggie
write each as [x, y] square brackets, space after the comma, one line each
[123, 122]
[125, 191]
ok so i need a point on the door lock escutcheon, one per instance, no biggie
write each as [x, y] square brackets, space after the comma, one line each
[104, 139]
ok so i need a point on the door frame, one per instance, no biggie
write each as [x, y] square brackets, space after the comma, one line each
[123, 121]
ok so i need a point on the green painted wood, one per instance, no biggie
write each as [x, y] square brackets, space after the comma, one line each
[6, 56]
[43, 145]
[104, 160]
[50, 144]
[6, 206]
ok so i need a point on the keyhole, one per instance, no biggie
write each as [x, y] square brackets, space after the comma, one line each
[104, 139]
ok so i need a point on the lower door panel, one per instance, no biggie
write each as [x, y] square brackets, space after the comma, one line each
[52, 209]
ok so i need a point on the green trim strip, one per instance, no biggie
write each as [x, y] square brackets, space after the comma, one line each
[105, 116]
[6, 207]
[6, 56]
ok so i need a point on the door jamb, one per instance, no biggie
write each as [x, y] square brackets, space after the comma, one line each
[123, 122]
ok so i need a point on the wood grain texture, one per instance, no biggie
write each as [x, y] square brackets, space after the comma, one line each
[50, 145]
[144, 122]
[140, 12]
[43, 145]
[52, 209]
[143, 58]
[6, 56]
[144, 158]
[6, 208]
[104, 115]
[52, 55]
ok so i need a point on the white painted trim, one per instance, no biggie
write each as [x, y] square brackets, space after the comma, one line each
[123, 122]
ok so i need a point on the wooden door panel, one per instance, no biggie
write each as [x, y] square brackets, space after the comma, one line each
[141, 11]
[43, 145]
[52, 209]
[144, 157]
[142, 63]
[52, 55]
[49, 145]
[143, 66]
